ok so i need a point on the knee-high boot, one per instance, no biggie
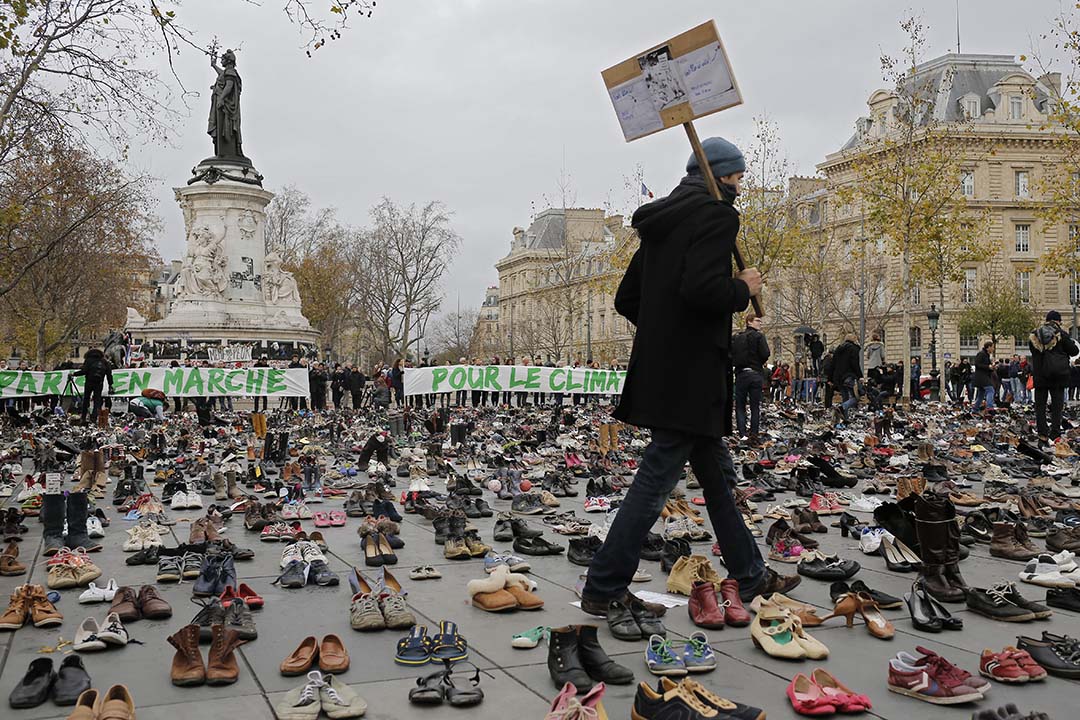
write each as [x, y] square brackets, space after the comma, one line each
[939, 546]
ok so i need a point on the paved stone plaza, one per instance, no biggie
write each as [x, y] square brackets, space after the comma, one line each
[516, 682]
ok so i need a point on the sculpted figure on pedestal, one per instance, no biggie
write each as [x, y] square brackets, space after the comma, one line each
[279, 286]
[204, 273]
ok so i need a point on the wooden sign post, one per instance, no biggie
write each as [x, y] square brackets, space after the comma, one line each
[672, 83]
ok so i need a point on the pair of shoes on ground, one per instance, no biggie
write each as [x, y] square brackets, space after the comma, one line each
[320, 694]
[329, 654]
[503, 590]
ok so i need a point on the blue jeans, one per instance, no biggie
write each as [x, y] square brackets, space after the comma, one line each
[984, 396]
[615, 562]
[847, 392]
[747, 389]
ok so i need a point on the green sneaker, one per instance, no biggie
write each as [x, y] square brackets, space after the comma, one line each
[530, 638]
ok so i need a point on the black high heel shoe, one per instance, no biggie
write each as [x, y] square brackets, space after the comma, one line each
[849, 524]
[927, 613]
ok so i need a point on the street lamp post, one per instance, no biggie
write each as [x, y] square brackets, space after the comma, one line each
[588, 328]
[932, 318]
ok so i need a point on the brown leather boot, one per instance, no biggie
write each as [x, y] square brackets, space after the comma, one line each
[86, 470]
[187, 664]
[1004, 543]
[221, 667]
[15, 614]
[42, 612]
[197, 533]
[8, 563]
[219, 487]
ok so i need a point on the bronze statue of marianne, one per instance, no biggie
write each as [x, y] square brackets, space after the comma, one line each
[224, 125]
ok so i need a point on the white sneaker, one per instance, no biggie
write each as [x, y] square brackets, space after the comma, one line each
[86, 637]
[641, 576]
[94, 528]
[1043, 571]
[291, 552]
[179, 500]
[865, 504]
[95, 594]
[135, 541]
[194, 500]
[113, 631]
[1066, 561]
[28, 492]
[309, 552]
[151, 535]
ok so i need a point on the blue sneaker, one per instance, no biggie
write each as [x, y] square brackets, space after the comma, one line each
[516, 564]
[698, 655]
[661, 658]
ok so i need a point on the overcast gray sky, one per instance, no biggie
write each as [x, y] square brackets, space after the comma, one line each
[482, 103]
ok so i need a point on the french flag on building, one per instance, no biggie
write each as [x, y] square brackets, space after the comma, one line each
[646, 192]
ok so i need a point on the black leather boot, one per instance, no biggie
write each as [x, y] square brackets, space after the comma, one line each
[564, 661]
[53, 509]
[78, 507]
[939, 546]
[596, 662]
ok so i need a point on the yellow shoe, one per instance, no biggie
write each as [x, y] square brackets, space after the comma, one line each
[682, 576]
[775, 630]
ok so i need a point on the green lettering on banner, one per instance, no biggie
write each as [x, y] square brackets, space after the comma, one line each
[255, 381]
[476, 380]
[457, 378]
[50, 384]
[214, 378]
[612, 382]
[232, 383]
[27, 384]
[120, 381]
[139, 382]
[491, 377]
[437, 376]
[532, 379]
[514, 382]
[557, 374]
[570, 385]
[597, 381]
[173, 382]
[275, 382]
[194, 382]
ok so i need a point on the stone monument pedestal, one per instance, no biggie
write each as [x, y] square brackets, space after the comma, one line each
[228, 290]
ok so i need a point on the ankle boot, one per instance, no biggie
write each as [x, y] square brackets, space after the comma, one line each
[78, 507]
[221, 667]
[1004, 543]
[86, 470]
[596, 662]
[53, 510]
[230, 485]
[564, 661]
[187, 664]
[441, 524]
[219, 487]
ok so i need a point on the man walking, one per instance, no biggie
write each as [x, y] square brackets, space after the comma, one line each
[749, 353]
[984, 384]
[846, 371]
[680, 294]
[1051, 348]
[96, 369]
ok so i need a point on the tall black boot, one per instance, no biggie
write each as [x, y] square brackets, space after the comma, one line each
[78, 507]
[939, 546]
[283, 447]
[269, 444]
[53, 510]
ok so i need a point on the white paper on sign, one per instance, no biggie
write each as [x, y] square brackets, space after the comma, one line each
[52, 483]
[634, 108]
[708, 79]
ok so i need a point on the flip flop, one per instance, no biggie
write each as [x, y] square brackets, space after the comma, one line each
[322, 519]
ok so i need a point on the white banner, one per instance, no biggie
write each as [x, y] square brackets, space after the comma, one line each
[174, 382]
[513, 378]
[229, 354]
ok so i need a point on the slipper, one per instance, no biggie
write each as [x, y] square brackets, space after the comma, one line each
[424, 572]
[322, 520]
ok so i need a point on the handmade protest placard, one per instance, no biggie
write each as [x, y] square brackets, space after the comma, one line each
[513, 378]
[174, 382]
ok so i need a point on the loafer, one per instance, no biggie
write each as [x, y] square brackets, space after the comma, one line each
[301, 659]
[621, 622]
[33, 688]
[71, 681]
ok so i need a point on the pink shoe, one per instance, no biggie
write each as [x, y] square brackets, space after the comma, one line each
[337, 518]
[558, 705]
[322, 520]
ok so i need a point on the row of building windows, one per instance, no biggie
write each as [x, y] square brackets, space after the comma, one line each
[1021, 183]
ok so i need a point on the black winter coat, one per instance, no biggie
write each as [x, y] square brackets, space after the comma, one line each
[1051, 349]
[846, 362]
[680, 293]
[357, 380]
[981, 377]
[749, 349]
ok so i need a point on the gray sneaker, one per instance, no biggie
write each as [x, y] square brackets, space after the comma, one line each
[364, 614]
[238, 618]
[304, 702]
[339, 700]
[396, 612]
[212, 613]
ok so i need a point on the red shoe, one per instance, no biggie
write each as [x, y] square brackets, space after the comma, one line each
[704, 610]
[819, 504]
[698, 500]
[807, 698]
[844, 698]
[735, 614]
[1034, 670]
[337, 518]
[252, 598]
[716, 550]
[228, 596]
[1000, 667]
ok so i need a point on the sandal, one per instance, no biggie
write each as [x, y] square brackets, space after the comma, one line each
[447, 644]
[429, 689]
[414, 649]
[322, 519]
[462, 697]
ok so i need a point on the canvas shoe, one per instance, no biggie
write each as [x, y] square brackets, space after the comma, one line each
[94, 528]
[928, 658]
[698, 655]
[302, 703]
[597, 504]
[113, 631]
[179, 500]
[95, 594]
[516, 563]
[1044, 570]
[194, 500]
[662, 659]
[136, 540]
[86, 637]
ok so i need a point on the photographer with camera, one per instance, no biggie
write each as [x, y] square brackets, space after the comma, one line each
[96, 369]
